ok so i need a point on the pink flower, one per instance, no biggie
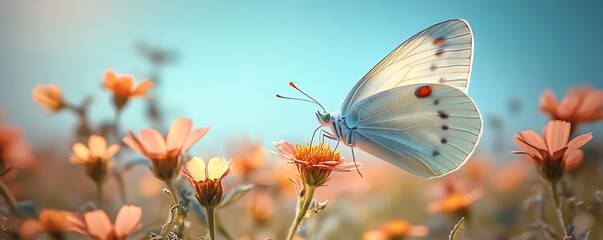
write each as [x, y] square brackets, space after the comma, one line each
[123, 87]
[98, 226]
[314, 163]
[552, 152]
[582, 105]
[14, 150]
[165, 153]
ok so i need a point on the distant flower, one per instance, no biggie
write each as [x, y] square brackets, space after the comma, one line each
[582, 105]
[261, 207]
[314, 163]
[248, 158]
[95, 157]
[14, 150]
[397, 230]
[98, 226]
[165, 153]
[49, 96]
[551, 153]
[207, 180]
[50, 221]
[455, 202]
[510, 176]
[123, 87]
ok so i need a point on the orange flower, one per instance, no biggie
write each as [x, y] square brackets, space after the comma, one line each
[165, 153]
[50, 221]
[95, 157]
[314, 164]
[397, 230]
[49, 96]
[582, 105]
[552, 153]
[454, 202]
[123, 87]
[98, 226]
[207, 180]
[249, 157]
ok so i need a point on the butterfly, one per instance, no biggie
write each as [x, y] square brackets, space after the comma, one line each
[412, 109]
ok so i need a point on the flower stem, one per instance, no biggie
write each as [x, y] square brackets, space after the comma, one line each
[174, 217]
[99, 194]
[558, 209]
[9, 199]
[303, 203]
[210, 222]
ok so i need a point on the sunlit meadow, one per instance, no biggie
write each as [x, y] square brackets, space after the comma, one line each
[157, 120]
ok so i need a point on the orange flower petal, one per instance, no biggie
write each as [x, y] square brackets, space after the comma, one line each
[579, 141]
[98, 224]
[548, 102]
[193, 137]
[152, 141]
[97, 146]
[142, 88]
[127, 221]
[178, 133]
[556, 134]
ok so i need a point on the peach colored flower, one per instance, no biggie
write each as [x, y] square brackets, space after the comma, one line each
[98, 226]
[207, 180]
[165, 153]
[397, 230]
[314, 163]
[14, 150]
[95, 157]
[50, 221]
[551, 153]
[49, 96]
[455, 201]
[261, 208]
[123, 87]
[249, 157]
[582, 105]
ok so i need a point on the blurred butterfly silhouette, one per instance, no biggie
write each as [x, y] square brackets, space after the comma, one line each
[412, 109]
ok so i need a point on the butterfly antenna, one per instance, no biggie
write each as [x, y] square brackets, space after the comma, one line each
[354, 158]
[292, 98]
[312, 139]
[296, 88]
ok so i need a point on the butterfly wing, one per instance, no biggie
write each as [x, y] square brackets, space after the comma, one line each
[441, 53]
[427, 129]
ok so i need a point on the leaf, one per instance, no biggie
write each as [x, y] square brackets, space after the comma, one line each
[316, 207]
[235, 194]
[456, 231]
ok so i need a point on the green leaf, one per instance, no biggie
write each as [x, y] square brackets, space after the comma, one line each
[235, 194]
[456, 231]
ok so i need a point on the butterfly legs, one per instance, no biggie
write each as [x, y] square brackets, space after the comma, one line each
[330, 136]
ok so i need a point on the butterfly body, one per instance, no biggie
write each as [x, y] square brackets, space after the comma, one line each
[412, 109]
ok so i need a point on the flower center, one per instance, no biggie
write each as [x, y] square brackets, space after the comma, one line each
[321, 153]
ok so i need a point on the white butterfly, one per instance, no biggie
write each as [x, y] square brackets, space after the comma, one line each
[412, 108]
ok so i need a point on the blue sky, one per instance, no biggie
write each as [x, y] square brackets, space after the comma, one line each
[233, 56]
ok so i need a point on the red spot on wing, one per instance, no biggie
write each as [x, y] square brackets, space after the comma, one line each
[439, 41]
[423, 91]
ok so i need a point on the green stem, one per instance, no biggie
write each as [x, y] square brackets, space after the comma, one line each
[210, 222]
[8, 198]
[303, 203]
[558, 209]
[99, 194]
[174, 217]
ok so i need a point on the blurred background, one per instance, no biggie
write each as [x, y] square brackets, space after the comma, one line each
[221, 64]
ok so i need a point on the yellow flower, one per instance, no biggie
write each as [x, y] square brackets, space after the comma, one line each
[314, 163]
[49, 96]
[95, 157]
[123, 87]
[207, 180]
